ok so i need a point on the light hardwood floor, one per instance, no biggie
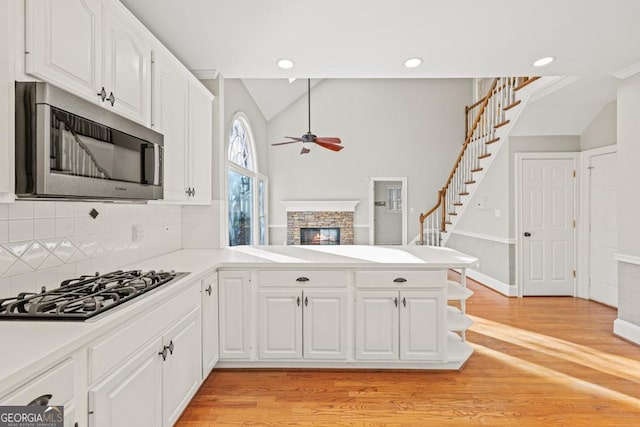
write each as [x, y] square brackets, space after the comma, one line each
[538, 361]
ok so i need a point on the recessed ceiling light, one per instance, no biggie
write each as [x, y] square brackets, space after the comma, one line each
[413, 62]
[544, 61]
[285, 63]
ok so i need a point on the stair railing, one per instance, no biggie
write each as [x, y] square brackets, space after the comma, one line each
[481, 122]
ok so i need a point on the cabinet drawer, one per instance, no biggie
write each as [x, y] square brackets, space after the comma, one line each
[401, 279]
[59, 382]
[305, 278]
[111, 350]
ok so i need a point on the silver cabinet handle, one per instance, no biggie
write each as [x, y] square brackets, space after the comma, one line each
[163, 353]
[306, 301]
[298, 301]
[171, 347]
[404, 301]
[41, 400]
[399, 280]
[302, 279]
[111, 98]
[209, 290]
[395, 301]
[102, 94]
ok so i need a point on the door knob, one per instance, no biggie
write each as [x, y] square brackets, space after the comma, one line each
[527, 234]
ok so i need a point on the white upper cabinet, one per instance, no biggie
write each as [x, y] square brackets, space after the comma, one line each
[171, 118]
[93, 50]
[64, 44]
[200, 139]
[127, 74]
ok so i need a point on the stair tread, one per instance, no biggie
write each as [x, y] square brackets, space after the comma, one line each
[469, 182]
[508, 107]
[484, 156]
[499, 125]
[464, 193]
[453, 213]
[491, 141]
[476, 170]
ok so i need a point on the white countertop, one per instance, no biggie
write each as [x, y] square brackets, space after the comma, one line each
[29, 346]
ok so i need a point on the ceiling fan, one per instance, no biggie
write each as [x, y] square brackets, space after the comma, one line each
[330, 143]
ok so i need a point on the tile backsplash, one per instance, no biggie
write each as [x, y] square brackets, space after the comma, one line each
[44, 242]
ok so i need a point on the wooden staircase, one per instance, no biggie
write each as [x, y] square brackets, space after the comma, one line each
[487, 124]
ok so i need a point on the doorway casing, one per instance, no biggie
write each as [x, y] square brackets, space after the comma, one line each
[372, 189]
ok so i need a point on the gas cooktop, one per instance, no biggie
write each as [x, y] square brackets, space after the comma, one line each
[84, 297]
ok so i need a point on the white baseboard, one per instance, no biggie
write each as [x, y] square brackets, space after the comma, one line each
[490, 282]
[627, 330]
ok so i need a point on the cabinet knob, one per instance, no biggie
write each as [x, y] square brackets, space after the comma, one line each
[171, 347]
[102, 94]
[111, 98]
[306, 301]
[298, 301]
[404, 302]
[209, 290]
[41, 400]
[163, 353]
[395, 301]
[527, 234]
[302, 279]
[399, 280]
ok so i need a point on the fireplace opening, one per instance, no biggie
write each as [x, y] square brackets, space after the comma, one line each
[320, 236]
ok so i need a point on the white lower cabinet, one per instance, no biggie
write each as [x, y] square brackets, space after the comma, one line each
[210, 353]
[154, 385]
[404, 325]
[234, 291]
[56, 386]
[310, 324]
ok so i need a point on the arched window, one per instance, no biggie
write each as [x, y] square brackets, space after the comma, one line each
[247, 207]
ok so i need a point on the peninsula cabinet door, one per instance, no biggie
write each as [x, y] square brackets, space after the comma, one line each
[422, 325]
[377, 333]
[280, 324]
[234, 289]
[325, 324]
[64, 44]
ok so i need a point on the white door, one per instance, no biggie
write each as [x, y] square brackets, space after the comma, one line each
[182, 370]
[127, 73]
[388, 212]
[133, 395]
[64, 44]
[209, 324]
[170, 117]
[377, 325]
[422, 325]
[547, 227]
[325, 325]
[234, 290]
[280, 324]
[604, 230]
[199, 155]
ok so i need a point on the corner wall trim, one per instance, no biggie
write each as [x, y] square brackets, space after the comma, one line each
[626, 330]
[504, 240]
[490, 282]
[629, 259]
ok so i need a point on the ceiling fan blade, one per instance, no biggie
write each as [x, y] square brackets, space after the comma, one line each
[304, 150]
[332, 147]
[295, 138]
[286, 142]
[328, 140]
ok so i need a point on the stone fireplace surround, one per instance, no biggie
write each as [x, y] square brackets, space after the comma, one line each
[320, 214]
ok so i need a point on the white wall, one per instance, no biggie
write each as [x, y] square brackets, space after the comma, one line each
[602, 130]
[389, 127]
[628, 203]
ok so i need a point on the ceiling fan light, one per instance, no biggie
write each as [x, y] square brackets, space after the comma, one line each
[413, 62]
[544, 61]
[285, 63]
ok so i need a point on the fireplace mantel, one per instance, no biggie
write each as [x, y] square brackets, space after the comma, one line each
[320, 205]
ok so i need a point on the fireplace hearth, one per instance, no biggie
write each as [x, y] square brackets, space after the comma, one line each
[320, 236]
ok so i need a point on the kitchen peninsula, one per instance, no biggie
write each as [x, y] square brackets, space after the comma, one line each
[248, 307]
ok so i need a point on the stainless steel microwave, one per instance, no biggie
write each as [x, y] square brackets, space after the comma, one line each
[67, 147]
